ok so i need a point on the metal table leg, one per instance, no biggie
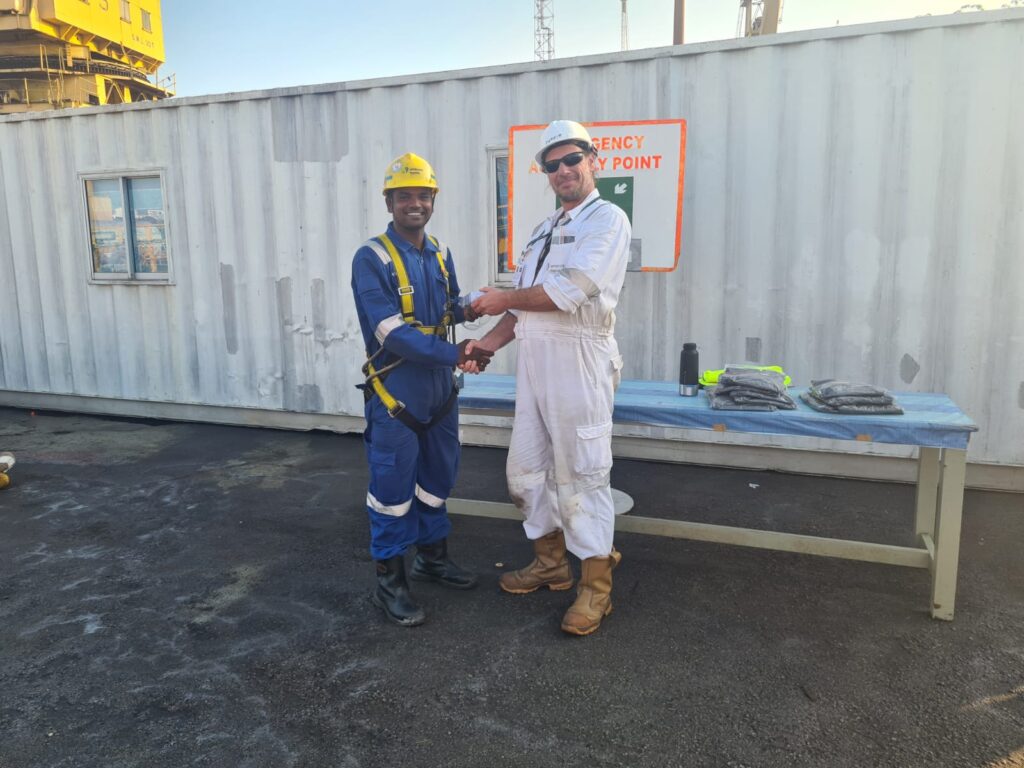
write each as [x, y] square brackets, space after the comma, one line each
[927, 490]
[952, 471]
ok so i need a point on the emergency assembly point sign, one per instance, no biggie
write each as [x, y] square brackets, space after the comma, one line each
[639, 168]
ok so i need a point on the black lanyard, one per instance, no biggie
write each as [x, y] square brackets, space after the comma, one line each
[545, 249]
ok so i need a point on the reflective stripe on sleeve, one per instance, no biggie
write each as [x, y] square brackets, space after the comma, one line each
[394, 510]
[386, 326]
[380, 250]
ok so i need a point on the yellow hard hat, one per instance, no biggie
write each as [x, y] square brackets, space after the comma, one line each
[409, 170]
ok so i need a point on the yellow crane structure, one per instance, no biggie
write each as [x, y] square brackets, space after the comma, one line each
[758, 17]
[80, 53]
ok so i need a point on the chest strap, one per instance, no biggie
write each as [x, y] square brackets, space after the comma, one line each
[375, 377]
[405, 288]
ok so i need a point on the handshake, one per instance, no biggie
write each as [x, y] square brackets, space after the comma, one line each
[472, 357]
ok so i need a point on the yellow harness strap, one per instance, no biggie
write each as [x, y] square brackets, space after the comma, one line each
[373, 379]
[405, 296]
[441, 251]
[406, 291]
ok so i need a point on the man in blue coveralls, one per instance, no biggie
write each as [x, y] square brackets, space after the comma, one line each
[407, 299]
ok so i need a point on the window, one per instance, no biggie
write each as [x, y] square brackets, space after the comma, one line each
[127, 228]
[500, 166]
[147, 21]
[126, 10]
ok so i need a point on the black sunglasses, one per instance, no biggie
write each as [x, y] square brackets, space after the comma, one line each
[573, 158]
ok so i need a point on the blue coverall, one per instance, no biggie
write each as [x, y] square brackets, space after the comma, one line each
[411, 475]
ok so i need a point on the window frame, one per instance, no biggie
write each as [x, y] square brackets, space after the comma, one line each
[126, 11]
[494, 277]
[147, 20]
[131, 277]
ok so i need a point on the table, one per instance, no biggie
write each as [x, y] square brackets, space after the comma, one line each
[931, 422]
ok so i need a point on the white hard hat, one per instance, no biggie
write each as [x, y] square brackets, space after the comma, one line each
[560, 132]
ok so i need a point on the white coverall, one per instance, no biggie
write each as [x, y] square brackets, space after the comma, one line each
[560, 455]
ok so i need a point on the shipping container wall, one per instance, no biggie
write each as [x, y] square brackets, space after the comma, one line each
[853, 208]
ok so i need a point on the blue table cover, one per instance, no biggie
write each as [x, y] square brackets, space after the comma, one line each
[929, 419]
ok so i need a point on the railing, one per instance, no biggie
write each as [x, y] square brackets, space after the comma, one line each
[51, 76]
[168, 83]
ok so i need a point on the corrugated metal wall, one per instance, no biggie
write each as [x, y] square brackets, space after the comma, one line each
[854, 204]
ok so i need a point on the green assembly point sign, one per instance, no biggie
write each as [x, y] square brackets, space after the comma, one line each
[618, 190]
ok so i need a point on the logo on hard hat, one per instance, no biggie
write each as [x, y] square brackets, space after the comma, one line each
[409, 170]
[563, 132]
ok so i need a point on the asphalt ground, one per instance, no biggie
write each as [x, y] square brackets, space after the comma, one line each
[194, 595]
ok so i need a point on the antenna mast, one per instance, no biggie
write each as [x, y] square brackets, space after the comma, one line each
[625, 27]
[544, 30]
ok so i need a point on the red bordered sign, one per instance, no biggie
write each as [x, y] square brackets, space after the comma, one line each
[640, 166]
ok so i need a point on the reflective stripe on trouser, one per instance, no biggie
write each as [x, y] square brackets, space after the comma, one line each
[560, 456]
[410, 478]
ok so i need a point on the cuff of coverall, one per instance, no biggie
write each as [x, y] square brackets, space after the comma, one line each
[566, 296]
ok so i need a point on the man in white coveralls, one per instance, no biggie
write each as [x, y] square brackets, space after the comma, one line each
[562, 312]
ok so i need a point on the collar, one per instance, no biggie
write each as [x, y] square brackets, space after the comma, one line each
[594, 194]
[404, 245]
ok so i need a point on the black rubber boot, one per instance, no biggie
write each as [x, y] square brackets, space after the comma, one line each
[392, 593]
[433, 564]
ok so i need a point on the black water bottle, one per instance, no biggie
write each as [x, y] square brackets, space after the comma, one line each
[688, 370]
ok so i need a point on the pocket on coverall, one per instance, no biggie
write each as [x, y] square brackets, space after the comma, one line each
[593, 449]
[385, 476]
[616, 372]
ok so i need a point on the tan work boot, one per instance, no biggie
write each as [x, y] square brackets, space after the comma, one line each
[550, 568]
[593, 595]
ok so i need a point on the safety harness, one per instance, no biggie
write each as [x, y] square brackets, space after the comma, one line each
[374, 384]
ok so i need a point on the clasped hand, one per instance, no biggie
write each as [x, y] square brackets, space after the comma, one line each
[472, 357]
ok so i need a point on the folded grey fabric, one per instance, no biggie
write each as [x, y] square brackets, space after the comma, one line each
[874, 400]
[772, 382]
[722, 402]
[738, 399]
[825, 389]
[746, 396]
[826, 406]
[732, 389]
[747, 389]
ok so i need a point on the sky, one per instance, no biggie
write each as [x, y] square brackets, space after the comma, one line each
[214, 47]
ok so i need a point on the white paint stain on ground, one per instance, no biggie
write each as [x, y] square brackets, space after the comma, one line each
[41, 554]
[75, 583]
[91, 623]
[63, 507]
